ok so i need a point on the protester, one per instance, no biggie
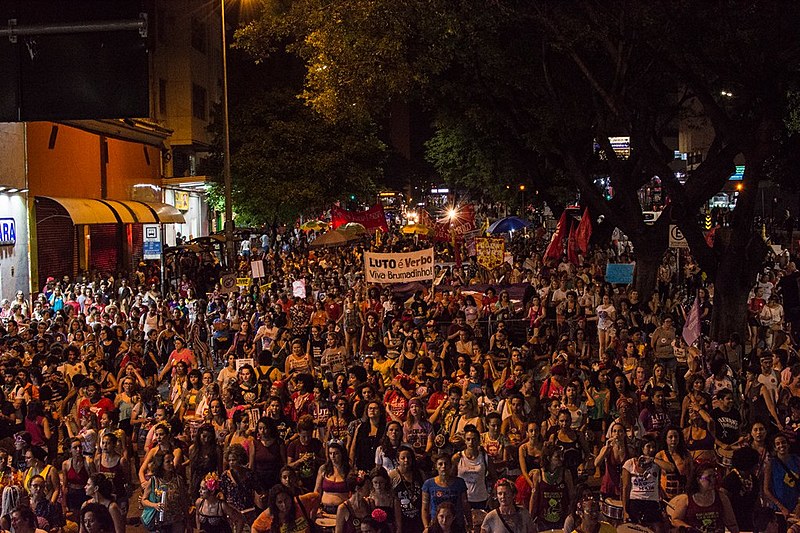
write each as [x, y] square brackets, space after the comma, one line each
[542, 381]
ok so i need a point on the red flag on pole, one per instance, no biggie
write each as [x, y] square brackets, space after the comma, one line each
[572, 246]
[691, 331]
[584, 232]
[555, 248]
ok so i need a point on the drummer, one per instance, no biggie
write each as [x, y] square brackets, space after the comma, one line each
[725, 424]
[588, 512]
[704, 507]
[640, 491]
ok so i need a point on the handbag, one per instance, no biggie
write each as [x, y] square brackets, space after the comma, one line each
[150, 514]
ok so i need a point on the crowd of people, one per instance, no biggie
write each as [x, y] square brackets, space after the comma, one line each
[348, 407]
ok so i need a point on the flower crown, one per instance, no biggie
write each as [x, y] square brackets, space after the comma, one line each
[211, 482]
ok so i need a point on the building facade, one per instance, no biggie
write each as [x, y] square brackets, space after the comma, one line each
[74, 194]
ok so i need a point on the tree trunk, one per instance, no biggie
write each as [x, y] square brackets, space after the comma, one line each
[649, 247]
[737, 272]
[646, 275]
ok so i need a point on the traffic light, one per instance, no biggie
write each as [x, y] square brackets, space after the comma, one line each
[352, 196]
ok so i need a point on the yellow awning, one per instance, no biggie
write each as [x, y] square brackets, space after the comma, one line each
[93, 211]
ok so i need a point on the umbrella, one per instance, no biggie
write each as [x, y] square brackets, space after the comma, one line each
[416, 229]
[332, 238]
[508, 224]
[314, 225]
[352, 229]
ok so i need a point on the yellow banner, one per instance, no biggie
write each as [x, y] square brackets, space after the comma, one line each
[490, 251]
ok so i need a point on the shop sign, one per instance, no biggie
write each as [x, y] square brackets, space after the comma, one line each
[8, 232]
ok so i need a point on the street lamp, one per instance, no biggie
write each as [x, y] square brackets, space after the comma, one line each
[230, 251]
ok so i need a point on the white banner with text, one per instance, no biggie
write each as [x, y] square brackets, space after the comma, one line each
[399, 267]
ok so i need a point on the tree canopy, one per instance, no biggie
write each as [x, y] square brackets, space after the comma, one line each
[288, 160]
[530, 87]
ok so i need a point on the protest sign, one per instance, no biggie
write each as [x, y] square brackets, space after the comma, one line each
[299, 288]
[398, 267]
[621, 273]
[489, 251]
[372, 218]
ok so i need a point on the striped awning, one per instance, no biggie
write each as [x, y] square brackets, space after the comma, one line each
[95, 211]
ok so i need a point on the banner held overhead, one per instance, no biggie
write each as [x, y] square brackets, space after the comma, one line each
[398, 267]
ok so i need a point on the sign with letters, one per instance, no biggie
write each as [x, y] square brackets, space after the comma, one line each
[151, 241]
[676, 237]
[489, 251]
[400, 267]
[8, 232]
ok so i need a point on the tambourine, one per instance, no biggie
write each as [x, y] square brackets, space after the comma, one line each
[440, 440]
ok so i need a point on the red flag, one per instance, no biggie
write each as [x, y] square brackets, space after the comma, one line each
[584, 232]
[691, 331]
[572, 246]
[711, 235]
[372, 218]
[556, 246]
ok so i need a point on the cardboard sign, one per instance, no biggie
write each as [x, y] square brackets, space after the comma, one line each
[227, 283]
[257, 268]
[241, 362]
[620, 273]
[399, 267]
[299, 288]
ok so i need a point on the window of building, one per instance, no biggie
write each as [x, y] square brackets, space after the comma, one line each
[198, 35]
[198, 101]
[162, 97]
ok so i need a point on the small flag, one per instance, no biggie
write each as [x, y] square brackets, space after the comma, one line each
[691, 331]
[572, 246]
[584, 232]
[556, 246]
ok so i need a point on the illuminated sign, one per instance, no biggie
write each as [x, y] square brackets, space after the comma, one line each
[8, 232]
[739, 174]
[620, 145]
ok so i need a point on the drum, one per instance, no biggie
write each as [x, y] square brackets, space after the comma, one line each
[326, 523]
[725, 456]
[612, 509]
[633, 528]
[477, 519]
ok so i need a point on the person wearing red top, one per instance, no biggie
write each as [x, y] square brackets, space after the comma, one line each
[94, 402]
[333, 308]
[180, 354]
[754, 306]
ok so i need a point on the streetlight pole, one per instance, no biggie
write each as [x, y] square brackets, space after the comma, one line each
[226, 171]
